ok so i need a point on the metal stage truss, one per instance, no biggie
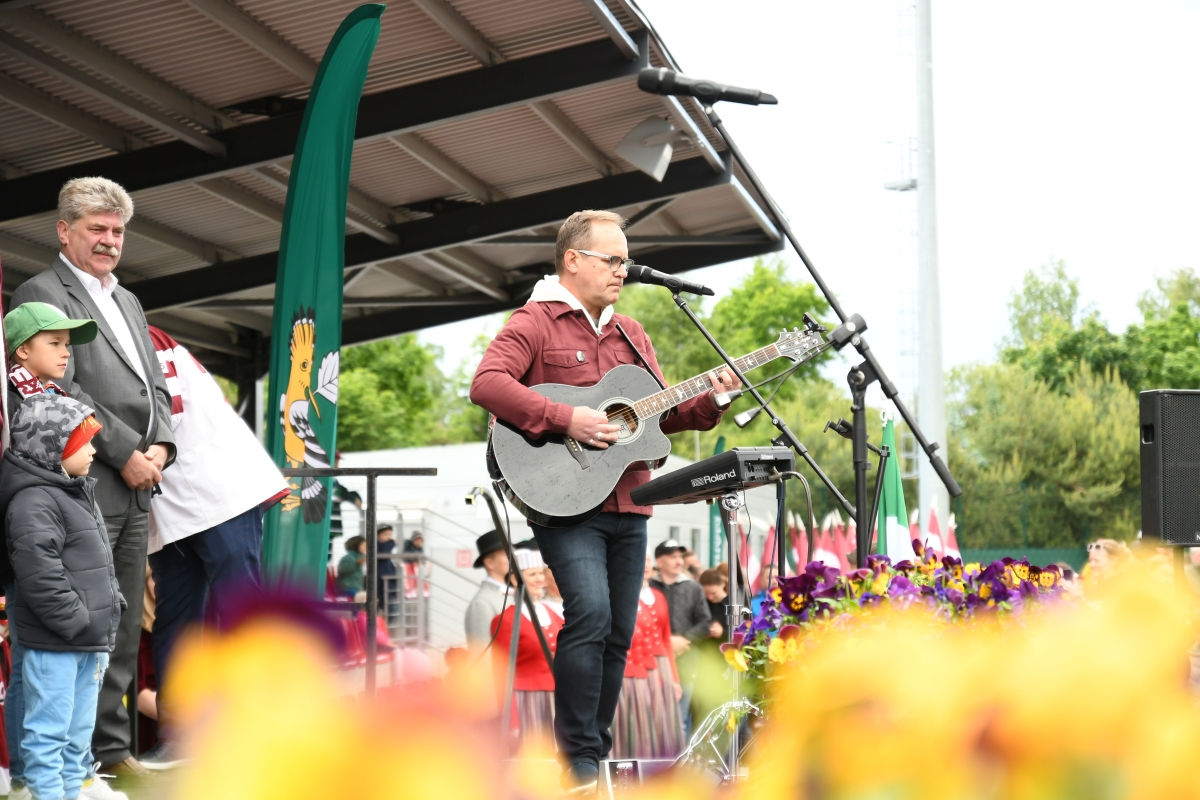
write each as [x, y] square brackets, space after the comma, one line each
[484, 123]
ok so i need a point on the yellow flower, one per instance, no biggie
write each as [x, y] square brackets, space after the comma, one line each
[880, 584]
[781, 650]
[736, 658]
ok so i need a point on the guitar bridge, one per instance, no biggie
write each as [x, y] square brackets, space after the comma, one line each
[576, 451]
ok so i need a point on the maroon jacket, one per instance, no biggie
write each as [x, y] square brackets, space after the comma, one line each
[541, 344]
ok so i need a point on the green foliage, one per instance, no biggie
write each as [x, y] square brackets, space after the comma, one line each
[1048, 299]
[389, 395]
[228, 388]
[1060, 347]
[1166, 350]
[393, 394]
[750, 317]
[763, 304]
[1179, 288]
[1044, 467]
[1050, 341]
[370, 417]
[1045, 443]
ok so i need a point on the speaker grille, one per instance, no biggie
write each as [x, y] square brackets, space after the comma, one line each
[1179, 433]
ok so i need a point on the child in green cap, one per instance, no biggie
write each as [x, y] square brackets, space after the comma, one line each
[38, 335]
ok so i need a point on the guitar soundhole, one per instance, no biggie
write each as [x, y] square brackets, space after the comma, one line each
[622, 414]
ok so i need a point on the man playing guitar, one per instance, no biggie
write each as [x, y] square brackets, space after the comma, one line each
[568, 333]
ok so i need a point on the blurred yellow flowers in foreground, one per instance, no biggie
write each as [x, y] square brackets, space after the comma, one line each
[1069, 702]
[1073, 701]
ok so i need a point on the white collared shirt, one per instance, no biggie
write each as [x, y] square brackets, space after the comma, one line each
[500, 587]
[102, 294]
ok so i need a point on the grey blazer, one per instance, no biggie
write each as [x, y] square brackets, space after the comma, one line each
[101, 375]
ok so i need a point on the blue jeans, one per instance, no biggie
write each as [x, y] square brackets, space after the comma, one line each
[61, 690]
[14, 696]
[598, 567]
[685, 708]
[221, 563]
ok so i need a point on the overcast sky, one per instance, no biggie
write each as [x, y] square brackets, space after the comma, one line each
[1063, 129]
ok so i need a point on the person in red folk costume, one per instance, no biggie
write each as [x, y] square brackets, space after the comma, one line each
[647, 723]
[533, 695]
[633, 724]
[666, 689]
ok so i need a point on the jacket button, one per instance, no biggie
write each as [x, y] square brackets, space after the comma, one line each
[579, 356]
[142, 431]
[143, 392]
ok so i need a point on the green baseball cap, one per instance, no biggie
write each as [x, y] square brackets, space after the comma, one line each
[25, 320]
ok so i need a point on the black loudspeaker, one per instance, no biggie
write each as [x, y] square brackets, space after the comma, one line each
[1170, 435]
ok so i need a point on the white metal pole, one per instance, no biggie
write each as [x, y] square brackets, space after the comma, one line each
[931, 400]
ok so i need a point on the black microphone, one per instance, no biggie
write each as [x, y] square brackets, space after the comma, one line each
[641, 274]
[665, 81]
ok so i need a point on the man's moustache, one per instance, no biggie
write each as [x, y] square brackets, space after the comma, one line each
[106, 251]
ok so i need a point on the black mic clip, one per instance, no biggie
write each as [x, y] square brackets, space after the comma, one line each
[841, 428]
[848, 332]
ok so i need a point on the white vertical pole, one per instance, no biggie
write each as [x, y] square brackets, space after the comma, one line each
[931, 400]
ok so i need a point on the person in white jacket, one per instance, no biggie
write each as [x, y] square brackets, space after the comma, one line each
[206, 528]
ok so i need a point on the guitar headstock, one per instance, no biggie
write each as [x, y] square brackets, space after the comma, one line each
[798, 344]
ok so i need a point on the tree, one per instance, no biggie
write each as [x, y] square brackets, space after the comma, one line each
[388, 393]
[1179, 288]
[1051, 341]
[750, 317]
[1048, 300]
[1041, 466]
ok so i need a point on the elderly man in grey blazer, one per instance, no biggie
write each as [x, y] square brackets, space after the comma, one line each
[118, 375]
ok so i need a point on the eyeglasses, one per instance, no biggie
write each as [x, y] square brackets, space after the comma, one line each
[1094, 546]
[614, 262]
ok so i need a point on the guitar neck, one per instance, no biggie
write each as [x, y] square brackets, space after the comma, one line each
[667, 399]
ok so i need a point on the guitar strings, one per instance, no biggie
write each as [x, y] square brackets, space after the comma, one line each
[629, 415]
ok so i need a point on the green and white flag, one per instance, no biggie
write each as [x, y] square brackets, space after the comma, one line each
[893, 518]
[307, 334]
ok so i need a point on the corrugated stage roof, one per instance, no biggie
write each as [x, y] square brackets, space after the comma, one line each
[481, 121]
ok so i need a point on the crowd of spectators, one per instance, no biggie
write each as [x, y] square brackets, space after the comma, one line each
[680, 626]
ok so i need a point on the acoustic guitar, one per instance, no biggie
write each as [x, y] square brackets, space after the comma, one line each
[556, 481]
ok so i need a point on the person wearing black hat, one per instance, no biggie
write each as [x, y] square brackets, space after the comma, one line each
[690, 618]
[489, 600]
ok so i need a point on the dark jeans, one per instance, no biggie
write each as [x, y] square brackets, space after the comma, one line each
[222, 561]
[598, 567]
[127, 533]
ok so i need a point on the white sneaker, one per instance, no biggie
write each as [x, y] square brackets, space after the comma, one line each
[95, 787]
[22, 793]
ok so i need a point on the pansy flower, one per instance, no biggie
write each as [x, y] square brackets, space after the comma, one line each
[735, 657]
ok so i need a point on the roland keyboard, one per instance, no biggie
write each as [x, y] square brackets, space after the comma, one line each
[734, 470]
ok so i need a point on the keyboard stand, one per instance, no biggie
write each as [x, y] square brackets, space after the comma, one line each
[728, 717]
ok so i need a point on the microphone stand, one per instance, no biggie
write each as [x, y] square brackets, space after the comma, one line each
[860, 377]
[786, 438]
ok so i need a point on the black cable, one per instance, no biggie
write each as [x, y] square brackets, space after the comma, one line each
[812, 519]
[780, 522]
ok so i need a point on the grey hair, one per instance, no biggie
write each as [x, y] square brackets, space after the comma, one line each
[82, 196]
